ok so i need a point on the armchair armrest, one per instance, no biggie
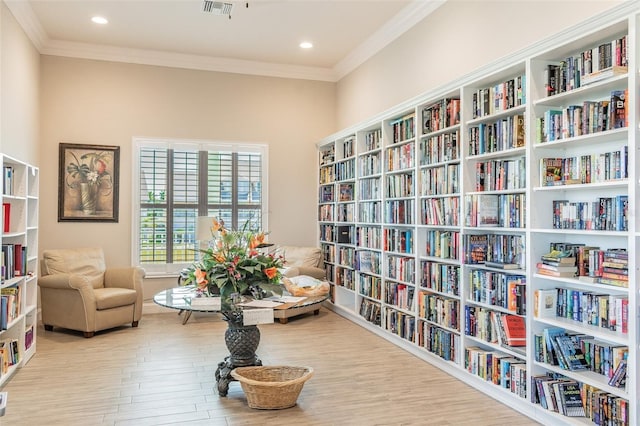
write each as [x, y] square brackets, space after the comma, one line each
[311, 271]
[64, 281]
[129, 277]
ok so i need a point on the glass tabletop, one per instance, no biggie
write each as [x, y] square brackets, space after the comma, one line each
[180, 298]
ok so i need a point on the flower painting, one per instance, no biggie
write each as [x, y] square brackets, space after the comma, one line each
[88, 183]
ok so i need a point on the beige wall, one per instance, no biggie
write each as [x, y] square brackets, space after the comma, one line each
[458, 38]
[95, 102]
[19, 75]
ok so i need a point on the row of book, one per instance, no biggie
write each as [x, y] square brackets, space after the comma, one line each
[370, 164]
[370, 286]
[325, 213]
[10, 355]
[345, 170]
[373, 139]
[10, 305]
[345, 212]
[506, 250]
[589, 168]
[327, 154]
[506, 133]
[369, 261]
[400, 157]
[370, 311]
[370, 189]
[440, 148]
[370, 212]
[399, 185]
[326, 193]
[439, 310]
[347, 256]
[401, 268]
[442, 244]
[348, 147]
[400, 295]
[441, 342]
[327, 175]
[8, 185]
[444, 113]
[605, 214]
[561, 394]
[397, 240]
[496, 175]
[494, 327]
[399, 211]
[440, 180]
[13, 262]
[587, 67]
[369, 236]
[499, 289]
[577, 120]
[346, 192]
[399, 323]
[587, 307]
[402, 129]
[501, 210]
[578, 352]
[440, 277]
[503, 370]
[345, 277]
[440, 211]
[499, 97]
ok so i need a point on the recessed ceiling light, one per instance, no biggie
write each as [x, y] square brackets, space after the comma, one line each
[306, 45]
[99, 20]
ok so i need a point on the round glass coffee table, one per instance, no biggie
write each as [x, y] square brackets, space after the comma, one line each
[180, 298]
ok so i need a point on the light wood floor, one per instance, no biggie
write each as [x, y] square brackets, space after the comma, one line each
[163, 373]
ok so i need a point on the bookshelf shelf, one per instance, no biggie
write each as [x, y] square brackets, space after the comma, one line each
[443, 153]
[18, 286]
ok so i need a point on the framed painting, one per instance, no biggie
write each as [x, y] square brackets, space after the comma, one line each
[88, 183]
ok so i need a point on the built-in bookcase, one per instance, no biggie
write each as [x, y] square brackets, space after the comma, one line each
[460, 196]
[18, 285]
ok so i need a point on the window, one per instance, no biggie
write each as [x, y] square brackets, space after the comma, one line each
[179, 181]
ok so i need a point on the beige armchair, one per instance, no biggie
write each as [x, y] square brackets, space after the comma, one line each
[302, 261]
[78, 292]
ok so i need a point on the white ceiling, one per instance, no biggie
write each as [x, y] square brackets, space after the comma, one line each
[260, 39]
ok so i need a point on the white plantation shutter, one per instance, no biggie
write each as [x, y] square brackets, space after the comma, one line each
[177, 182]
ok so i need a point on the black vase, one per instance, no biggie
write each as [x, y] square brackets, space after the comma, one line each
[242, 342]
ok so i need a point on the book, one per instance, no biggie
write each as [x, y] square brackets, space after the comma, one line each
[555, 273]
[514, 329]
[544, 303]
[550, 171]
[571, 352]
[571, 399]
[552, 266]
[559, 257]
[477, 246]
[6, 217]
[550, 334]
[502, 265]
[488, 210]
[619, 378]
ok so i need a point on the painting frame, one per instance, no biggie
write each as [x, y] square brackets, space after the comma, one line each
[88, 182]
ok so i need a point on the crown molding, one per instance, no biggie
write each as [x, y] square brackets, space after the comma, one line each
[394, 28]
[27, 19]
[180, 60]
[398, 25]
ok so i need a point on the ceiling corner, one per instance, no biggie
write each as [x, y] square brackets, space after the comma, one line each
[24, 14]
[404, 20]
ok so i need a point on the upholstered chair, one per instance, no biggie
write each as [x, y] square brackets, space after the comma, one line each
[302, 261]
[79, 292]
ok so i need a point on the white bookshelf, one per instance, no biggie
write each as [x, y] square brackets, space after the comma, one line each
[418, 176]
[19, 239]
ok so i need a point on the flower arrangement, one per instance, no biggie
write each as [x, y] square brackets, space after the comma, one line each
[232, 267]
[93, 171]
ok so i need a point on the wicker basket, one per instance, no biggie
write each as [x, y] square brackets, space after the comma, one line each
[272, 387]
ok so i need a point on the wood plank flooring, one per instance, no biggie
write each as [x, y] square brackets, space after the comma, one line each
[163, 373]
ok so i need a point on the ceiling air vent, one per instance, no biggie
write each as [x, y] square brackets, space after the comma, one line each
[217, 7]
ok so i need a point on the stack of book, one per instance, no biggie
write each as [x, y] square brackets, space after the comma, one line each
[557, 263]
[615, 268]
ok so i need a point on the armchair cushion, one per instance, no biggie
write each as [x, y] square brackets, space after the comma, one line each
[87, 262]
[107, 298]
[301, 256]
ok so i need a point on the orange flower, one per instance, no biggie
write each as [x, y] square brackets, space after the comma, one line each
[216, 226]
[201, 279]
[271, 272]
[219, 257]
